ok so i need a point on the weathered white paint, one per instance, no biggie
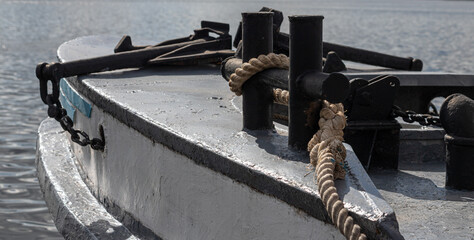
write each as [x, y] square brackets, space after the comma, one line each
[76, 213]
[178, 199]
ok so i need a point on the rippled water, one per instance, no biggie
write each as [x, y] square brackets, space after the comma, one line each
[441, 33]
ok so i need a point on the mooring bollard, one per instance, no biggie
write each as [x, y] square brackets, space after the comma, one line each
[307, 83]
[457, 117]
[257, 98]
[306, 54]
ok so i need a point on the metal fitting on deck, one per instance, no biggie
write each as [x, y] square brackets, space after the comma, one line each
[457, 117]
[257, 98]
[307, 82]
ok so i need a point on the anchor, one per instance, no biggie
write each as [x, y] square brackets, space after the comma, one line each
[198, 48]
[195, 49]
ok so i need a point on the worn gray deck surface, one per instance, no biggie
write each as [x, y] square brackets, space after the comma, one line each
[425, 208]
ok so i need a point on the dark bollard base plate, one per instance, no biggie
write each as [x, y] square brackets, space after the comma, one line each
[459, 162]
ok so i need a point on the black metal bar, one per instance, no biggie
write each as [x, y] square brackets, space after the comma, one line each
[257, 99]
[275, 77]
[201, 42]
[359, 55]
[306, 47]
[373, 58]
[415, 93]
[333, 87]
[129, 59]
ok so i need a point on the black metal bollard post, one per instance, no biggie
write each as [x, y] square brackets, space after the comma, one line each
[457, 117]
[306, 50]
[257, 98]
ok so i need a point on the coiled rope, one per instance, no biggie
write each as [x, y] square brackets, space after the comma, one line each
[326, 151]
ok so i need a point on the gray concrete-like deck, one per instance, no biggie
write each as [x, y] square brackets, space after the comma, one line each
[425, 208]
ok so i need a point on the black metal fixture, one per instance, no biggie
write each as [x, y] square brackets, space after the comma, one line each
[368, 103]
[257, 98]
[198, 48]
[371, 128]
[457, 117]
[307, 83]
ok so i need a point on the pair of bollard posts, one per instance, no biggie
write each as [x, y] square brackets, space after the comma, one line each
[306, 82]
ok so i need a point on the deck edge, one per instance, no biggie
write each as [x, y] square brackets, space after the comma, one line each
[76, 212]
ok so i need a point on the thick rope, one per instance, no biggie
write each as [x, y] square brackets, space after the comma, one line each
[281, 96]
[327, 153]
[256, 65]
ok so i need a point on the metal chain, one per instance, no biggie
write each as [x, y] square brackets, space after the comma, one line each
[411, 117]
[56, 111]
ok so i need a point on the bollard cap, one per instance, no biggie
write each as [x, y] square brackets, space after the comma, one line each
[305, 18]
[335, 88]
[257, 14]
[457, 115]
[332, 87]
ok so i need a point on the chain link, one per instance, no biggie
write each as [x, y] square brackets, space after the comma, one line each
[56, 111]
[411, 117]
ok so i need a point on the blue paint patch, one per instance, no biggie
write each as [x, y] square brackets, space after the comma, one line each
[67, 105]
[74, 99]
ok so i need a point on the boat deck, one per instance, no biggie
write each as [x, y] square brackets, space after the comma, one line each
[425, 209]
